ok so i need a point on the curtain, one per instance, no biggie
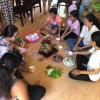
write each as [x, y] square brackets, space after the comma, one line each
[7, 8]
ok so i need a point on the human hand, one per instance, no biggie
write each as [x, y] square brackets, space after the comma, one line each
[75, 53]
[74, 49]
[76, 72]
[80, 48]
[22, 50]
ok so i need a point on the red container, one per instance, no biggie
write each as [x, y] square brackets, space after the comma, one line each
[32, 40]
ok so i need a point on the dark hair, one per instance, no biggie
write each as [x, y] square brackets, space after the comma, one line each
[5, 83]
[74, 13]
[96, 38]
[53, 10]
[8, 63]
[11, 60]
[9, 30]
[91, 18]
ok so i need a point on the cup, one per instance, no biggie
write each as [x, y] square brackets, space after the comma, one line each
[58, 39]
[60, 47]
[31, 68]
[70, 53]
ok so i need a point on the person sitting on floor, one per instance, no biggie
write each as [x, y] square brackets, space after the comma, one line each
[12, 82]
[91, 71]
[6, 39]
[73, 26]
[8, 35]
[52, 24]
[91, 25]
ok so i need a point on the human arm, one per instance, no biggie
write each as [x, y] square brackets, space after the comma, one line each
[21, 49]
[83, 48]
[20, 91]
[78, 72]
[85, 52]
[64, 33]
[59, 29]
[81, 53]
[79, 40]
[81, 37]
[69, 32]
[66, 29]
[57, 22]
[94, 71]
[44, 24]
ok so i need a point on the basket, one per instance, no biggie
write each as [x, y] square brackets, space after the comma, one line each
[68, 61]
[32, 37]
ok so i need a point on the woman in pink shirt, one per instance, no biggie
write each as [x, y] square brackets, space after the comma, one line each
[52, 23]
[73, 26]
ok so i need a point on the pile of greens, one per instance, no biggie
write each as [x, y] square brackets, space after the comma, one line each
[53, 72]
[94, 5]
[97, 6]
[19, 42]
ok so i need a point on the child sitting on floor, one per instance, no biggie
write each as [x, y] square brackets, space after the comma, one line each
[52, 23]
[73, 26]
[91, 71]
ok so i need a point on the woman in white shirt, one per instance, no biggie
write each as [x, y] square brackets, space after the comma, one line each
[91, 72]
[91, 25]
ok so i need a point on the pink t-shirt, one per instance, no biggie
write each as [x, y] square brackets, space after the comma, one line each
[57, 20]
[75, 26]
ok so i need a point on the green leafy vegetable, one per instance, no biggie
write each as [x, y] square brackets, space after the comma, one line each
[19, 41]
[53, 72]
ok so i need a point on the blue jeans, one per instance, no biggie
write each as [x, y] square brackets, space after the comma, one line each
[81, 10]
[72, 42]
